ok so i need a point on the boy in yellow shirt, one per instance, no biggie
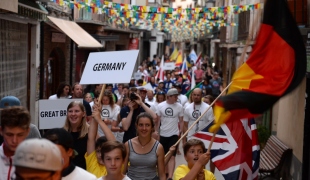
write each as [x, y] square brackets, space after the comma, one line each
[94, 162]
[196, 158]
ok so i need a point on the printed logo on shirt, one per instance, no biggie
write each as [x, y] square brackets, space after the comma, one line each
[169, 112]
[196, 114]
[105, 113]
[215, 84]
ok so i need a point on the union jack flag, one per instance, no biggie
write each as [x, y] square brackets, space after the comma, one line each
[235, 150]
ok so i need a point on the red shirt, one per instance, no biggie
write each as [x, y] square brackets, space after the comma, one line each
[199, 74]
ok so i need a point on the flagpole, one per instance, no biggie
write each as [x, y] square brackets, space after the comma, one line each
[197, 120]
[101, 93]
[211, 142]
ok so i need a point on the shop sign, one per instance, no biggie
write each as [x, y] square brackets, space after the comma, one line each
[133, 43]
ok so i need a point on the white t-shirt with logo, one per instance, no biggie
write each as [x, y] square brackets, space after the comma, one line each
[182, 99]
[169, 117]
[190, 116]
[108, 113]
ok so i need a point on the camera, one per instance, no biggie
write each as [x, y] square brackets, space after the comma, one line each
[133, 96]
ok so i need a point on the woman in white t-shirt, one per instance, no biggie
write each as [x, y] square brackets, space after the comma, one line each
[109, 111]
[63, 92]
[117, 126]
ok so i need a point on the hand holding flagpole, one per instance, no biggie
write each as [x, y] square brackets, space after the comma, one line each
[197, 120]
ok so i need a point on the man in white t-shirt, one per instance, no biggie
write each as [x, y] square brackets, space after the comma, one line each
[194, 110]
[169, 114]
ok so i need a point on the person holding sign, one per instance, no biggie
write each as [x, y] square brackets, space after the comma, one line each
[77, 126]
[94, 162]
[109, 111]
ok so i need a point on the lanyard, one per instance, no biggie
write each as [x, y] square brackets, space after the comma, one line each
[196, 114]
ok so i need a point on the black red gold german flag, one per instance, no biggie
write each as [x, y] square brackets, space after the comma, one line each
[275, 67]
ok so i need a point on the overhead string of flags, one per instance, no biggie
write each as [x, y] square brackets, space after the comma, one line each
[187, 23]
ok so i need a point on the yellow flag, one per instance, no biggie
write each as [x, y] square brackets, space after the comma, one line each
[174, 54]
[179, 59]
[126, 7]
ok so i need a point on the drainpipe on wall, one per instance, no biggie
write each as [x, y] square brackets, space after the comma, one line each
[41, 60]
[71, 61]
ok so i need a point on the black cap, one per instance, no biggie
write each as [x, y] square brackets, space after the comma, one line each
[61, 137]
[179, 85]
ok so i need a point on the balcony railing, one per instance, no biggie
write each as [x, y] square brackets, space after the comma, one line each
[83, 14]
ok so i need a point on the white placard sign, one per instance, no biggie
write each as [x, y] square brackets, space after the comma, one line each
[137, 75]
[148, 86]
[109, 67]
[53, 113]
[169, 66]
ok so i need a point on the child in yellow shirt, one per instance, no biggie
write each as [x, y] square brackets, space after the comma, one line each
[94, 162]
[196, 158]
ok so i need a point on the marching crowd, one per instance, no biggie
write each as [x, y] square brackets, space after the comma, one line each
[130, 134]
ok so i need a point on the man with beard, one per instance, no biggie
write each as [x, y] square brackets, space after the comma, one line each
[194, 110]
[77, 93]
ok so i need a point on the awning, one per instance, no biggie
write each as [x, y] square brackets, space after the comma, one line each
[76, 33]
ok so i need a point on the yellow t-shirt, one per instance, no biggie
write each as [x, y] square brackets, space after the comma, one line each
[93, 166]
[182, 170]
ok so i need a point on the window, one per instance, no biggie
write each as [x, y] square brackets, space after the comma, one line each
[244, 25]
[13, 60]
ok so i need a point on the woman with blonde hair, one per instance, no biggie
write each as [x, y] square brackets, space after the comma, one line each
[77, 126]
[109, 111]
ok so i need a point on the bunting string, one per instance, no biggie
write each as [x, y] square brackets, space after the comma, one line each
[183, 24]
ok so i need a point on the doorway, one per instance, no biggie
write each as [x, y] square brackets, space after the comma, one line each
[54, 72]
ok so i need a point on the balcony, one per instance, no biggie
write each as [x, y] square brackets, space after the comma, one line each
[84, 16]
